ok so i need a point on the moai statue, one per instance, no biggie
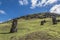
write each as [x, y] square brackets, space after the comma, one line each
[58, 20]
[42, 22]
[14, 26]
[54, 20]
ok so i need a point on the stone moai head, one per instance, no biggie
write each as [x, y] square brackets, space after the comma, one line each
[14, 26]
[54, 20]
[42, 22]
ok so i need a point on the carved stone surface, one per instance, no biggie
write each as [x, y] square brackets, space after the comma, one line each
[54, 21]
[42, 22]
[14, 26]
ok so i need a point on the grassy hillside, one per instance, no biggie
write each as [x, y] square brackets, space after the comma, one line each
[28, 27]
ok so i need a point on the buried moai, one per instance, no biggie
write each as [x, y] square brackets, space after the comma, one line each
[14, 26]
[58, 20]
[54, 21]
[42, 22]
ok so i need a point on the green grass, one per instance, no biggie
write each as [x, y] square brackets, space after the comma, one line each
[29, 26]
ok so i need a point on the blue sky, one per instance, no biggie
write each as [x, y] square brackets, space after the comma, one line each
[10, 9]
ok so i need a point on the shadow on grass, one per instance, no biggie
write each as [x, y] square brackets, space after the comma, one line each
[6, 33]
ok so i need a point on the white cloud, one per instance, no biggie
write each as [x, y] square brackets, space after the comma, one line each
[40, 3]
[9, 19]
[37, 3]
[2, 12]
[55, 9]
[23, 2]
[50, 2]
[33, 3]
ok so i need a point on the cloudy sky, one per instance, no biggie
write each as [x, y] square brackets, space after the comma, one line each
[10, 9]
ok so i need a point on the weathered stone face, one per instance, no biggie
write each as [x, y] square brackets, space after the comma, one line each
[14, 26]
[54, 20]
[42, 22]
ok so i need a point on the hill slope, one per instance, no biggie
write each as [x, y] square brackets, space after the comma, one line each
[25, 27]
